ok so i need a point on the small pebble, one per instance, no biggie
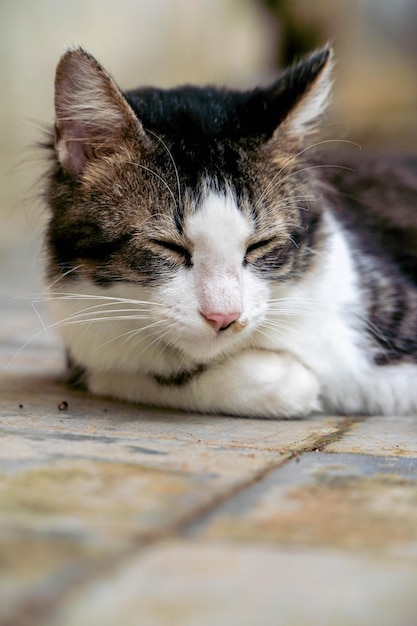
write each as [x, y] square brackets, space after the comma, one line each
[63, 406]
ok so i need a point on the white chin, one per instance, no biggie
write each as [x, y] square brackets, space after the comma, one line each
[203, 350]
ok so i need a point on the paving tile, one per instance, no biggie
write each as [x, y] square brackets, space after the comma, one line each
[96, 446]
[391, 436]
[358, 503]
[66, 511]
[36, 569]
[202, 584]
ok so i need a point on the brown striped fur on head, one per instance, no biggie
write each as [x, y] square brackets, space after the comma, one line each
[128, 167]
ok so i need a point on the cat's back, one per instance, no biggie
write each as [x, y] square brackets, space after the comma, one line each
[375, 196]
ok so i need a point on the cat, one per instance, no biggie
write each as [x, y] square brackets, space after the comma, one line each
[204, 255]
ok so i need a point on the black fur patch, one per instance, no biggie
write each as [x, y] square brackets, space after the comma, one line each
[375, 199]
[181, 378]
[76, 375]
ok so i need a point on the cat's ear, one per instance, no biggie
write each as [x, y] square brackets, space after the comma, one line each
[300, 96]
[92, 116]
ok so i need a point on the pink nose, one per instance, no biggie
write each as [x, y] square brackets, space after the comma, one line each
[220, 321]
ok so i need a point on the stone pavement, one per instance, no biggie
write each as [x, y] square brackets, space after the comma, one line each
[112, 514]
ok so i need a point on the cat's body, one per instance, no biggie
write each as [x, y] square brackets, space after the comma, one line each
[203, 256]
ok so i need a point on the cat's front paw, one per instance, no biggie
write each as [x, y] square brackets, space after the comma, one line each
[260, 383]
[252, 383]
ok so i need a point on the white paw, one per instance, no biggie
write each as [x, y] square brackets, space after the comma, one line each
[259, 383]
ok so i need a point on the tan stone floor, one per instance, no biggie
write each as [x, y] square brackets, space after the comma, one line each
[115, 515]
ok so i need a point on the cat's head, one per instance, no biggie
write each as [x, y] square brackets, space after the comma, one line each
[196, 200]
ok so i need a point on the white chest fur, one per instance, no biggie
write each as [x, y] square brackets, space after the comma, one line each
[318, 319]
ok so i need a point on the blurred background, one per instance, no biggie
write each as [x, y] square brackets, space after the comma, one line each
[165, 42]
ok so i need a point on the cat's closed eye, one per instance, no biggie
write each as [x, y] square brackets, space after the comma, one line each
[254, 250]
[179, 251]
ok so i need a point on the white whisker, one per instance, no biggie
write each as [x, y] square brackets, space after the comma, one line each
[67, 295]
[39, 316]
[281, 327]
[173, 163]
[277, 181]
[157, 339]
[315, 167]
[325, 141]
[158, 176]
[130, 334]
[62, 276]
[87, 315]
